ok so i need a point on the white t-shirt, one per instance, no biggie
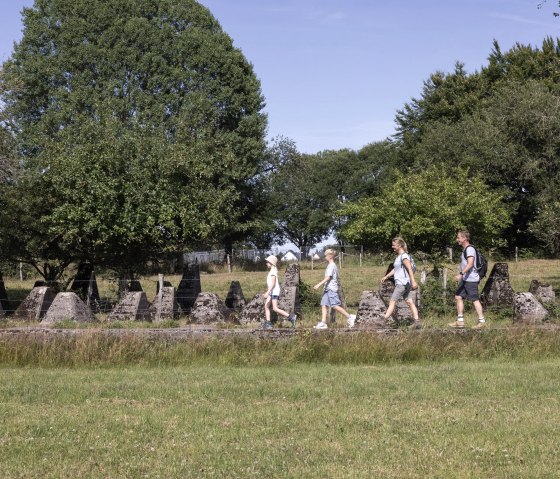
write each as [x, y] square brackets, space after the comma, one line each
[472, 275]
[272, 279]
[332, 284]
[401, 273]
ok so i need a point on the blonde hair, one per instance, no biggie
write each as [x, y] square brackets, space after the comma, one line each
[330, 251]
[401, 243]
[465, 234]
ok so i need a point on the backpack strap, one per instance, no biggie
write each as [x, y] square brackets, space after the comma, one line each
[475, 256]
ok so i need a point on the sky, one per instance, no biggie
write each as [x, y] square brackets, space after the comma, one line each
[335, 72]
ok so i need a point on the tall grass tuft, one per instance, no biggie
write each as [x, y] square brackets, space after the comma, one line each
[95, 348]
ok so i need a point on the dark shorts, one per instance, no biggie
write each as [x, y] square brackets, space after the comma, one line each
[330, 298]
[468, 290]
[274, 296]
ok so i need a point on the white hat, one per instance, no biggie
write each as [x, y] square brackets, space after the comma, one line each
[272, 260]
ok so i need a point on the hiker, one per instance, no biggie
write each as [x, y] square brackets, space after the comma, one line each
[272, 294]
[403, 273]
[330, 298]
[468, 279]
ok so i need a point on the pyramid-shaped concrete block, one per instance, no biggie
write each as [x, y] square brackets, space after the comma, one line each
[35, 305]
[371, 311]
[167, 305]
[254, 311]
[133, 306]
[209, 309]
[235, 298]
[527, 309]
[67, 306]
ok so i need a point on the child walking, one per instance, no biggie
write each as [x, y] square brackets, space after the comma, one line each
[404, 281]
[272, 294]
[330, 298]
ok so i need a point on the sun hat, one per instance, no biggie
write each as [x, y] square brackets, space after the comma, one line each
[272, 260]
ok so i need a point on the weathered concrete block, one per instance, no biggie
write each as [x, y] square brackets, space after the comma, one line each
[85, 282]
[35, 305]
[189, 287]
[67, 306]
[254, 311]
[543, 292]
[497, 291]
[209, 309]
[4, 303]
[133, 306]
[527, 309]
[288, 298]
[292, 278]
[401, 314]
[235, 299]
[167, 304]
[371, 311]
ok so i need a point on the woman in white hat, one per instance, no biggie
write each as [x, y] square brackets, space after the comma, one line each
[272, 294]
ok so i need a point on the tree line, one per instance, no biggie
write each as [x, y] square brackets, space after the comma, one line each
[133, 130]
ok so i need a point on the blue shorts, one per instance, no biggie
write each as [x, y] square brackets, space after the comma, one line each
[330, 298]
[274, 296]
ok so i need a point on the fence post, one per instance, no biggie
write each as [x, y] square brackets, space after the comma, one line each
[90, 289]
[516, 254]
[450, 251]
[361, 254]
[228, 263]
[160, 297]
[20, 272]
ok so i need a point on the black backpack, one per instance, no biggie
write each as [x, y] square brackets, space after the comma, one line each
[480, 262]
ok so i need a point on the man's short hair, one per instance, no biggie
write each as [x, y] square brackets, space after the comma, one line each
[465, 234]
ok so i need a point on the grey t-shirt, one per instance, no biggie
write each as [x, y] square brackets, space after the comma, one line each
[332, 284]
[472, 275]
[401, 273]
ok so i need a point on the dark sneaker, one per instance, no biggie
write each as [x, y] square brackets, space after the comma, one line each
[292, 319]
[267, 325]
[415, 325]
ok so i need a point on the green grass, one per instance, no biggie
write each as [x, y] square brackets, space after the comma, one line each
[480, 419]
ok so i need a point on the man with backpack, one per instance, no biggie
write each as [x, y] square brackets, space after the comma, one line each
[468, 278]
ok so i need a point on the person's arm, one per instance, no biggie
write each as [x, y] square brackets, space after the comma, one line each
[388, 275]
[325, 280]
[408, 267]
[466, 269]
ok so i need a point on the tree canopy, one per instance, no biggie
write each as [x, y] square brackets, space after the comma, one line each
[427, 208]
[139, 124]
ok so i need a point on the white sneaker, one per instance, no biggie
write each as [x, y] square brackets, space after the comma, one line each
[321, 325]
[351, 320]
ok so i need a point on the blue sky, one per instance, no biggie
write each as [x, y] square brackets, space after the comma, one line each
[334, 72]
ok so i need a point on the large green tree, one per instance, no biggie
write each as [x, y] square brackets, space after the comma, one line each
[502, 123]
[139, 125]
[426, 209]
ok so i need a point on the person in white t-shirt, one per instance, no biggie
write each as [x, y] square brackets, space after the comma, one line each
[272, 294]
[468, 280]
[404, 281]
[331, 298]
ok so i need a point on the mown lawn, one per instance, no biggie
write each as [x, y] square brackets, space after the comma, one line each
[455, 419]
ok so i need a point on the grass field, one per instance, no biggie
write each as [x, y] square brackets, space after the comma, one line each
[480, 419]
[428, 404]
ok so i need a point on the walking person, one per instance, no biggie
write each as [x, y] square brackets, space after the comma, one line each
[403, 274]
[467, 279]
[272, 294]
[331, 298]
